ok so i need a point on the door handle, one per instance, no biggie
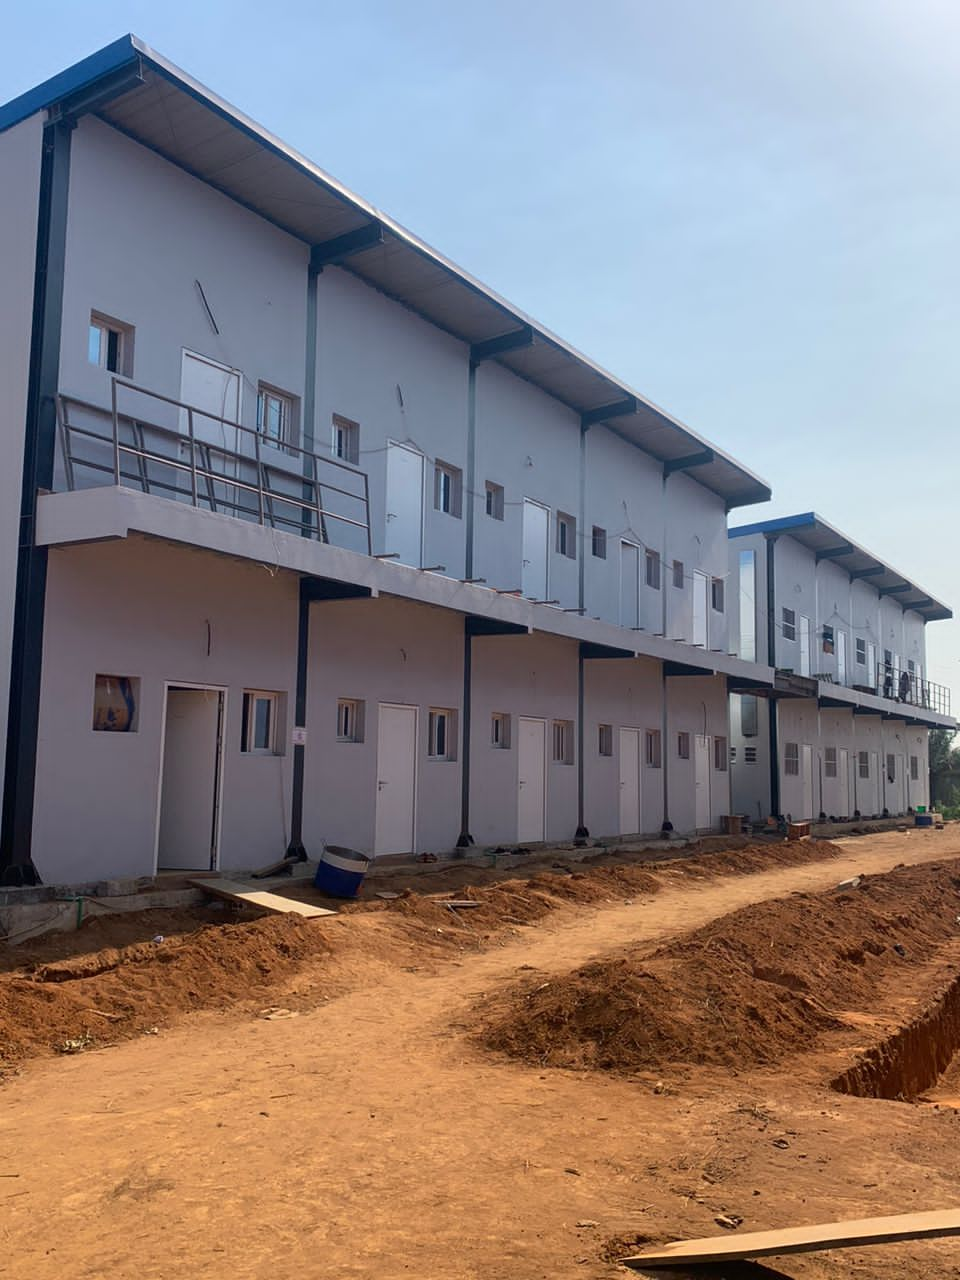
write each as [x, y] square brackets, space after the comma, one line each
[380, 784]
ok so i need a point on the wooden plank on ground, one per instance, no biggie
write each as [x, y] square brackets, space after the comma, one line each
[828, 1235]
[236, 891]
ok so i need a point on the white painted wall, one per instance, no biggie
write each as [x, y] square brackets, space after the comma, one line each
[384, 650]
[625, 693]
[20, 156]
[148, 610]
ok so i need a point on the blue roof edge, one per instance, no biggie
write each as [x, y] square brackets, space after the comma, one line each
[83, 73]
[775, 526]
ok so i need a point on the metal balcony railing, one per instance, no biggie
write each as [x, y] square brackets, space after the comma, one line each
[903, 685]
[159, 445]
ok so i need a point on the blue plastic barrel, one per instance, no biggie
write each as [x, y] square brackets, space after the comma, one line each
[923, 820]
[340, 871]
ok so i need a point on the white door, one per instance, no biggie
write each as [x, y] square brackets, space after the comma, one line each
[396, 779]
[841, 657]
[700, 591]
[629, 584]
[535, 541]
[630, 822]
[871, 664]
[876, 783]
[190, 781]
[531, 780]
[213, 389]
[701, 761]
[804, 645]
[404, 531]
[806, 781]
[843, 777]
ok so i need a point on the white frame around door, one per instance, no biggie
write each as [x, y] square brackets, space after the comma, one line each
[415, 813]
[542, 724]
[417, 453]
[223, 691]
[635, 736]
[547, 513]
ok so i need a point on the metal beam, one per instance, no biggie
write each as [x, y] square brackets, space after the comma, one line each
[512, 341]
[691, 460]
[329, 589]
[100, 93]
[686, 669]
[895, 591]
[832, 553]
[589, 649]
[337, 250]
[477, 625]
[603, 412]
[868, 573]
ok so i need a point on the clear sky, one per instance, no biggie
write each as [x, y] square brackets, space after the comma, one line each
[748, 209]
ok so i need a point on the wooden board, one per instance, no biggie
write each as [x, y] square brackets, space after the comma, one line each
[829, 1235]
[235, 891]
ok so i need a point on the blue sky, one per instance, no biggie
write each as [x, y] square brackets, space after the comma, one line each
[748, 209]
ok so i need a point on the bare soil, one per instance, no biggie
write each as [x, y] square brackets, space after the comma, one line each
[370, 1135]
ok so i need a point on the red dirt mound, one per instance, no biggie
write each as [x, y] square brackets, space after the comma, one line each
[748, 988]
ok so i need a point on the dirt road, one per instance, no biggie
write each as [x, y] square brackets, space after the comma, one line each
[367, 1138]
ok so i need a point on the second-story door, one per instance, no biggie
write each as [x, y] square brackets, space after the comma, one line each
[404, 519]
[841, 657]
[700, 590]
[629, 584]
[214, 390]
[535, 540]
[804, 645]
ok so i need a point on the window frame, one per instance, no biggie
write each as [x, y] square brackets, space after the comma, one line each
[860, 651]
[914, 768]
[678, 574]
[562, 742]
[604, 740]
[448, 489]
[830, 763]
[749, 715]
[105, 326]
[345, 429]
[566, 539]
[791, 759]
[788, 623]
[683, 745]
[289, 424]
[863, 764]
[717, 595]
[652, 749]
[355, 708]
[494, 500]
[248, 723]
[598, 542]
[500, 739]
[442, 731]
[652, 575]
[828, 638]
[721, 753]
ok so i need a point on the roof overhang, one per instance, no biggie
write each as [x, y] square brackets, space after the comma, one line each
[828, 543]
[135, 90]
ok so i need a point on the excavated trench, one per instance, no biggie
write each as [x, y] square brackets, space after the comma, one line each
[913, 1059]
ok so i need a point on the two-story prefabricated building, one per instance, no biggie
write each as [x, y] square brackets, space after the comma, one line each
[307, 535]
[844, 731]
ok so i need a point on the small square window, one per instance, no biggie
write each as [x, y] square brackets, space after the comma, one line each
[720, 754]
[653, 570]
[115, 704]
[110, 345]
[566, 535]
[830, 762]
[346, 440]
[259, 729]
[500, 730]
[683, 746]
[652, 752]
[494, 498]
[914, 769]
[598, 542]
[605, 739]
[448, 489]
[789, 624]
[563, 742]
[678, 574]
[749, 755]
[350, 716]
[863, 764]
[791, 759]
[442, 734]
[861, 653]
[733, 755]
[828, 639]
[276, 415]
[716, 594]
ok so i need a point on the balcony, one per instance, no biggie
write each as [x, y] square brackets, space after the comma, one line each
[157, 445]
[899, 684]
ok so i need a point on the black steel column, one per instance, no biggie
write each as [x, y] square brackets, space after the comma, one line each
[582, 833]
[16, 863]
[771, 542]
[295, 848]
[465, 839]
